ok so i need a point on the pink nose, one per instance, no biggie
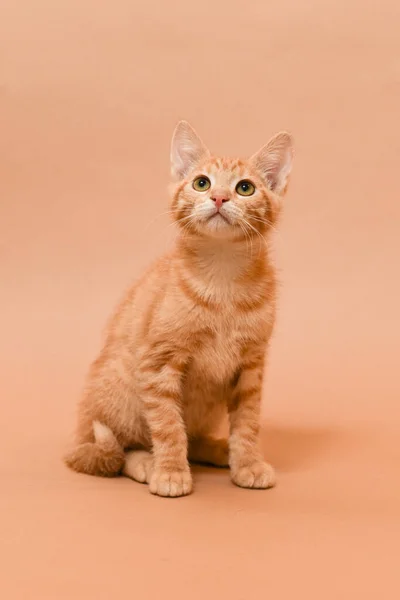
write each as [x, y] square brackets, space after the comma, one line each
[219, 199]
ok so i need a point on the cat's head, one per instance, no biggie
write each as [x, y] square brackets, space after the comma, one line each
[225, 197]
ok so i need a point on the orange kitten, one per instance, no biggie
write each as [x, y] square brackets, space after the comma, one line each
[187, 344]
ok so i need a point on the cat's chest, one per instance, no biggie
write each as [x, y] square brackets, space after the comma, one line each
[218, 357]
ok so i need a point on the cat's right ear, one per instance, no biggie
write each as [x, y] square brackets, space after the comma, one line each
[187, 150]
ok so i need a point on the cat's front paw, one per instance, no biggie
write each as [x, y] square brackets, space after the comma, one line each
[259, 475]
[171, 483]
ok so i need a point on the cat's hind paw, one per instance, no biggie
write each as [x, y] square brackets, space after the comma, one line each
[138, 465]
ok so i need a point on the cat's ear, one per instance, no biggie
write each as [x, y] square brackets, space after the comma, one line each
[274, 162]
[187, 150]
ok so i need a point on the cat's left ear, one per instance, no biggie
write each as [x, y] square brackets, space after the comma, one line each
[187, 150]
[274, 162]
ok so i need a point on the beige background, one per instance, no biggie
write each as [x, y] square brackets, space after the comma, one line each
[89, 95]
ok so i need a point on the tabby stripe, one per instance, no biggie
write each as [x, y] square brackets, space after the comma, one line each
[195, 296]
[164, 434]
[252, 364]
[160, 392]
[248, 393]
[244, 436]
[161, 360]
[248, 304]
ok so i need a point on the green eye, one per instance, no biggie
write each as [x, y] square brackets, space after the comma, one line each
[245, 188]
[201, 184]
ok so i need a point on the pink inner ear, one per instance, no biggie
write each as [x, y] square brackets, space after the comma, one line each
[274, 162]
[187, 150]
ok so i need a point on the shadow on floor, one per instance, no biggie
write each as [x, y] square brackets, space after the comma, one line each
[292, 448]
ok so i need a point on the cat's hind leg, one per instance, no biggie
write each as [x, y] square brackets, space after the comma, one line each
[209, 451]
[205, 414]
[138, 465]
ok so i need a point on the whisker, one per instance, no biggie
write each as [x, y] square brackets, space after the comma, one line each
[251, 237]
[258, 233]
[163, 214]
[265, 222]
[247, 237]
[187, 218]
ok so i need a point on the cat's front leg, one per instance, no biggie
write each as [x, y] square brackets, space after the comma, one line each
[160, 379]
[248, 468]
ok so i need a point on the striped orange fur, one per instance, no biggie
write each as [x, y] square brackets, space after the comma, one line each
[187, 344]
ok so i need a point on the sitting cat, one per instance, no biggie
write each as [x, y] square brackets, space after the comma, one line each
[187, 344]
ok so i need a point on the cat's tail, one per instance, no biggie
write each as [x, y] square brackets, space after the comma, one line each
[103, 457]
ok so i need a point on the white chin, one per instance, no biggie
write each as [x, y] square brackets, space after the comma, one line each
[217, 222]
[218, 226]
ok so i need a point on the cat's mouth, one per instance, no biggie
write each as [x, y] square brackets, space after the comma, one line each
[217, 215]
